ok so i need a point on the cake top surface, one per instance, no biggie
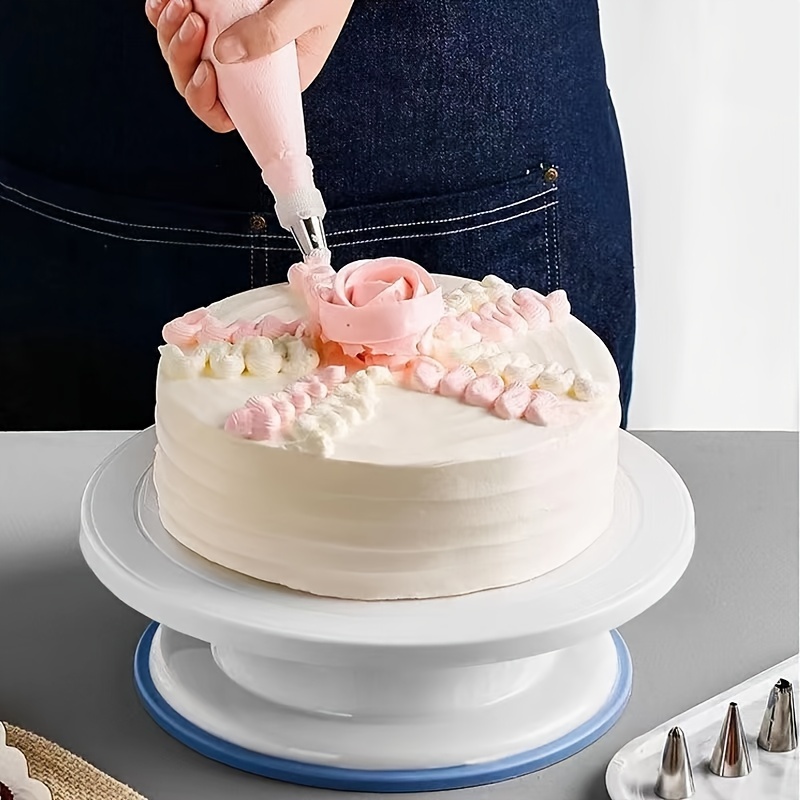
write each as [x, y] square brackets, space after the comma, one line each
[403, 420]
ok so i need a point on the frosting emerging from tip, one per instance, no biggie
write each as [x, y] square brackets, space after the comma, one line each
[376, 310]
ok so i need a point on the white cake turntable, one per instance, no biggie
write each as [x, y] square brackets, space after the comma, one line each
[391, 696]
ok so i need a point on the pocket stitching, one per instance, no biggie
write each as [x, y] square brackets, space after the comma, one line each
[252, 265]
[276, 249]
[250, 245]
[556, 249]
[97, 232]
[442, 221]
[547, 251]
[450, 232]
[113, 221]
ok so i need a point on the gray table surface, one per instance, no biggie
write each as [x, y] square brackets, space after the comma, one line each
[67, 643]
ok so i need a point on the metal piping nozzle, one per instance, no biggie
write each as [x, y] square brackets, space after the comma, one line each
[731, 757]
[675, 779]
[309, 235]
[778, 732]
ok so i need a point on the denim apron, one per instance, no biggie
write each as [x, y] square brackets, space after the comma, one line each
[472, 136]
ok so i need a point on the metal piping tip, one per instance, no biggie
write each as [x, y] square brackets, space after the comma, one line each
[309, 235]
[675, 779]
[778, 732]
[731, 757]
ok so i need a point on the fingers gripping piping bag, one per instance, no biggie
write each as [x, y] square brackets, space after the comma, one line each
[264, 100]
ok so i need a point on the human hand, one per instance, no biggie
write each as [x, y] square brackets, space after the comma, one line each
[181, 36]
[314, 24]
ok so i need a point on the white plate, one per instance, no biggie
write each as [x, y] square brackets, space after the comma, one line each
[632, 773]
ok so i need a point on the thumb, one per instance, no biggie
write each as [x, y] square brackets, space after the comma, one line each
[262, 33]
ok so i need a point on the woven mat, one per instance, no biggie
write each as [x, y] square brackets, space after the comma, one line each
[66, 775]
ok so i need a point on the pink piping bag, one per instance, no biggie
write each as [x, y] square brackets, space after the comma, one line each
[263, 99]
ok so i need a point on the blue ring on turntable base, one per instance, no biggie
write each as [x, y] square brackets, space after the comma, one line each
[362, 780]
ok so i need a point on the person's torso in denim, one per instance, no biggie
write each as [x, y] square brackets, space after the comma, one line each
[473, 136]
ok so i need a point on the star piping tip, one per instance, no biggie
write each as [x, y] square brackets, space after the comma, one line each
[675, 779]
[778, 732]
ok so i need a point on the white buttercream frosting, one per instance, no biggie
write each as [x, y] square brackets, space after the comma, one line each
[585, 388]
[261, 358]
[477, 294]
[556, 379]
[496, 287]
[300, 359]
[491, 364]
[350, 403]
[457, 302]
[226, 360]
[477, 352]
[523, 374]
[181, 365]
[381, 376]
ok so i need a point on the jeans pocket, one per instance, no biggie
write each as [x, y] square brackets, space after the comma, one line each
[509, 230]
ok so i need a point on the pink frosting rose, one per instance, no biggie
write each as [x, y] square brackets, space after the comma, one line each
[379, 309]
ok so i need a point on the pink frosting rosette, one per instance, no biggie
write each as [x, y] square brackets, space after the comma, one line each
[378, 310]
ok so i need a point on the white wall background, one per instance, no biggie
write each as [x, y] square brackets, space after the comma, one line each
[707, 97]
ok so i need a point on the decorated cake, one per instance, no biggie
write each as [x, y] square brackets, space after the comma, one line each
[383, 433]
